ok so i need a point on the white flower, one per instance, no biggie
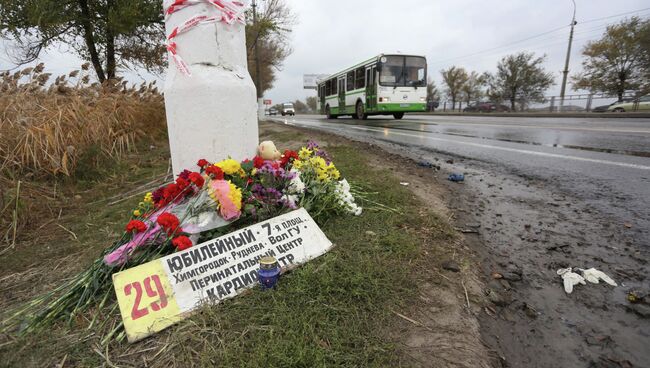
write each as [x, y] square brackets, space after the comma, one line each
[345, 198]
[292, 200]
[296, 186]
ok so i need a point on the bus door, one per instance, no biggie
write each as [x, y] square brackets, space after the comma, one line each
[341, 96]
[371, 88]
[322, 98]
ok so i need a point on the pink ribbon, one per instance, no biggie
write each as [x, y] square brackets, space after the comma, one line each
[121, 255]
[231, 11]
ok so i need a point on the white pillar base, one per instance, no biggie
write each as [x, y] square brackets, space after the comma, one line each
[212, 113]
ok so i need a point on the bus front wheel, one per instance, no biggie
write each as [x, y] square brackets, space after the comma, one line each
[398, 115]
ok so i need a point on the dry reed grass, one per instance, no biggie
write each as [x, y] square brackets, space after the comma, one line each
[46, 129]
[51, 130]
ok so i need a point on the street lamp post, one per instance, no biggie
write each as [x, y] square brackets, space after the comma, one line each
[565, 72]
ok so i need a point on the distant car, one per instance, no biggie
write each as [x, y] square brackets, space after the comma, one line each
[602, 108]
[486, 107]
[273, 111]
[640, 104]
[287, 109]
[432, 105]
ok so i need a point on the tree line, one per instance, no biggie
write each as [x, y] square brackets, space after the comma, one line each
[617, 63]
[118, 35]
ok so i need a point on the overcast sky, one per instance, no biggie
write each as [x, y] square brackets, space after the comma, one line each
[332, 35]
[335, 34]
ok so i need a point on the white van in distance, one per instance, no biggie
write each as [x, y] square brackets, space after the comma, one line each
[287, 109]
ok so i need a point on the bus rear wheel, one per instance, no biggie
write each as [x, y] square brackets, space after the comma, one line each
[398, 115]
[328, 113]
[359, 112]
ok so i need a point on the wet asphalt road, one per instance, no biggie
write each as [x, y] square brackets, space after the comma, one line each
[607, 158]
[547, 193]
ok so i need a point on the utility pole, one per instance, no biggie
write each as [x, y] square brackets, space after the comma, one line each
[568, 56]
[257, 53]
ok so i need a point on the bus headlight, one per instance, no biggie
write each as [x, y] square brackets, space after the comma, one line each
[423, 99]
[384, 99]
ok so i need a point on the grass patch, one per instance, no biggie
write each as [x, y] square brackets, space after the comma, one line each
[333, 311]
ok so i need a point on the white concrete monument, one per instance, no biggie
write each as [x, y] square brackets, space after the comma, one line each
[210, 98]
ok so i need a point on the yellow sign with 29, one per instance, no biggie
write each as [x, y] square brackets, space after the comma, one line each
[146, 300]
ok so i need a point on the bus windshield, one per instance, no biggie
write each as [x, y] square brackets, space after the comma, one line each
[403, 71]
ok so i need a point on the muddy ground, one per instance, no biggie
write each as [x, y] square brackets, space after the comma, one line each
[522, 229]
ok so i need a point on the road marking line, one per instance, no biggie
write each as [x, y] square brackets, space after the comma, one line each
[595, 129]
[537, 153]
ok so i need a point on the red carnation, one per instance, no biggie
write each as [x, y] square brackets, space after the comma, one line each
[170, 193]
[215, 172]
[258, 162]
[197, 179]
[288, 156]
[182, 242]
[168, 222]
[136, 225]
[182, 183]
[203, 163]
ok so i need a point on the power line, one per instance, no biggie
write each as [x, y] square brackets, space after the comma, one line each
[502, 46]
[614, 16]
[583, 32]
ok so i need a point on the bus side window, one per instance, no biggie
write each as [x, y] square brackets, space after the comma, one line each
[334, 86]
[328, 88]
[350, 81]
[360, 78]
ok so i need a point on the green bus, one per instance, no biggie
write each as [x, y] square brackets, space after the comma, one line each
[387, 84]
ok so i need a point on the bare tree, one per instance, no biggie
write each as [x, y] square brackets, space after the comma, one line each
[520, 78]
[454, 78]
[312, 102]
[432, 93]
[614, 64]
[471, 90]
[108, 33]
[271, 35]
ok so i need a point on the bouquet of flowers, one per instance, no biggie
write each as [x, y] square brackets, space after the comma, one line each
[197, 206]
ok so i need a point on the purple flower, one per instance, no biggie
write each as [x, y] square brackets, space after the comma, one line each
[289, 204]
[311, 144]
[324, 155]
[157, 194]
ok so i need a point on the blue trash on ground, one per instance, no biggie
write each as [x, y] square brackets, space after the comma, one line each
[456, 177]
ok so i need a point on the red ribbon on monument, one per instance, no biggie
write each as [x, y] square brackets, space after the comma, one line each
[231, 11]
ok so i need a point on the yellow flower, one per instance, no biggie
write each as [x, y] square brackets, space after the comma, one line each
[148, 198]
[229, 166]
[322, 176]
[235, 195]
[318, 163]
[333, 172]
[297, 164]
[304, 153]
[137, 213]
